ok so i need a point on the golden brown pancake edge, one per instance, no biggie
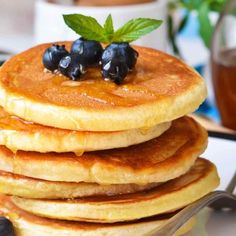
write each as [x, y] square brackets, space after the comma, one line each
[201, 179]
[157, 160]
[18, 134]
[161, 89]
[38, 226]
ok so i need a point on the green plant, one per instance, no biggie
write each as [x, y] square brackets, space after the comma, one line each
[89, 28]
[202, 9]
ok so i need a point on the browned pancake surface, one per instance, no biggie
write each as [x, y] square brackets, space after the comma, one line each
[167, 197]
[167, 156]
[22, 186]
[12, 122]
[8, 207]
[201, 168]
[156, 76]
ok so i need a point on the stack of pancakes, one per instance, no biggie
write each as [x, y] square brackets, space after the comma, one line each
[91, 157]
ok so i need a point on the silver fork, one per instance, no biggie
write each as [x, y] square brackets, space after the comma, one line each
[216, 200]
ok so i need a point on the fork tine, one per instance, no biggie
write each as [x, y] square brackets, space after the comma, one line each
[223, 203]
[175, 222]
[231, 186]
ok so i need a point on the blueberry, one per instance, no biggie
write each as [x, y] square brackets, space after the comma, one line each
[115, 70]
[53, 55]
[121, 50]
[6, 227]
[71, 67]
[89, 51]
[117, 60]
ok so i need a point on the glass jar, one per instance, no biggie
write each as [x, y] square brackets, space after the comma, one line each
[223, 58]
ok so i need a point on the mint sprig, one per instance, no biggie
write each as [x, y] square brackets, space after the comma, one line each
[86, 26]
[90, 29]
[135, 28]
[109, 28]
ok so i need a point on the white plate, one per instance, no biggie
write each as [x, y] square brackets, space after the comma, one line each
[222, 152]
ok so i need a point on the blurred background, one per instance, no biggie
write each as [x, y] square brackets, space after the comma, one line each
[201, 32]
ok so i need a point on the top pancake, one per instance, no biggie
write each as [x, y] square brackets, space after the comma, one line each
[161, 88]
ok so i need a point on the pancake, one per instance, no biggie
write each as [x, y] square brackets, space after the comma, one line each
[26, 224]
[17, 134]
[161, 88]
[158, 160]
[167, 197]
[22, 186]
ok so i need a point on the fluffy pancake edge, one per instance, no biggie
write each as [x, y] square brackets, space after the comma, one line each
[18, 185]
[114, 119]
[107, 168]
[26, 224]
[48, 139]
[168, 197]
[146, 115]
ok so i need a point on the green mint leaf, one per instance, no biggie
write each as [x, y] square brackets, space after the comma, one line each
[134, 29]
[108, 27]
[205, 26]
[90, 29]
[86, 26]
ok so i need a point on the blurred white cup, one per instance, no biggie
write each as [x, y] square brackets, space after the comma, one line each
[50, 26]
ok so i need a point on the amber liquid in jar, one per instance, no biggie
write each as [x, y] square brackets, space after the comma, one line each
[224, 82]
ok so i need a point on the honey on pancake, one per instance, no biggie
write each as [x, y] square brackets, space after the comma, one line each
[8, 121]
[157, 160]
[19, 134]
[93, 104]
[155, 76]
[16, 166]
[13, 122]
[144, 130]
